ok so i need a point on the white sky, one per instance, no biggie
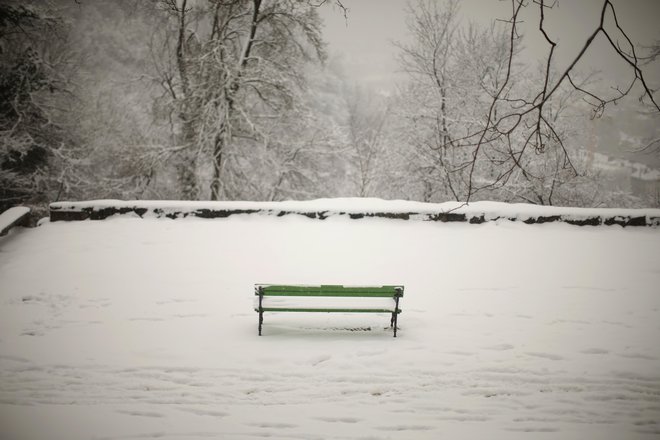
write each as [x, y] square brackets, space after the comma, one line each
[364, 40]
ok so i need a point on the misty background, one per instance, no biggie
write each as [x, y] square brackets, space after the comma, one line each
[292, 99]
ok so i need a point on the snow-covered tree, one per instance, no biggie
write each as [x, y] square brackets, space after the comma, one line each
[454, 70]
[234, 67]
[36, 67]
[525, 122]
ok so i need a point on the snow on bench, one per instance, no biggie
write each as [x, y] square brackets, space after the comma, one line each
[12, 217]
[328, 299]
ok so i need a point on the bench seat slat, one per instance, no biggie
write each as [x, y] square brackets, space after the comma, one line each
[270, 309]
[325, 303]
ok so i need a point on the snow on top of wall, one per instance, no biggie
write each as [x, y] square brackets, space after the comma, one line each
[483, 210]
[11, 216]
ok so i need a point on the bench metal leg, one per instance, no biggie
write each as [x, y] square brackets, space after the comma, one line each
[395, 314]
[261, 309]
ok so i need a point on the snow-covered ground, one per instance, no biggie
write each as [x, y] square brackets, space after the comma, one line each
[134, 328]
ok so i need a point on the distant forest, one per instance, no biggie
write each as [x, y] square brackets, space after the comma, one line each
[240, 100]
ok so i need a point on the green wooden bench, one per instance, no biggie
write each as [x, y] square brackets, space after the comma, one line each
[328, 299]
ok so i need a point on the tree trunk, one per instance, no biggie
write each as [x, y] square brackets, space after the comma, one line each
[186, 168]
[187, 176]
[216, 181]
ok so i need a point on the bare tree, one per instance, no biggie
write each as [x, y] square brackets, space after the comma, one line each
[487, 122]
[526, 116]
[454, 71]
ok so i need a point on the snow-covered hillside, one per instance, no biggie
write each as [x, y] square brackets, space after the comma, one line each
[134, 328]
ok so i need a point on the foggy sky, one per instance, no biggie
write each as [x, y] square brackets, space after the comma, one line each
[364, 39]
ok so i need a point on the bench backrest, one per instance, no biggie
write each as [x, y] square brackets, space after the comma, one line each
[329, 291]
[327, 298]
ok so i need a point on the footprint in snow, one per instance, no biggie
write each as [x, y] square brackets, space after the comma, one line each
[14, 359]
[405, 428]
[465, 418]
[175, 301]
[139, 413]
[645, 357]
[461, 353]
[204, 412]
[273, 425]
[594, 351]
[550, 356]
[338, 419]
[534, 429]
[146, 319]
[500, 347]
[320, 359]
[369, 353]
[189, 315]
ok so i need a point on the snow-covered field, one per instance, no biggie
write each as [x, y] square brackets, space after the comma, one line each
[143, 328]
